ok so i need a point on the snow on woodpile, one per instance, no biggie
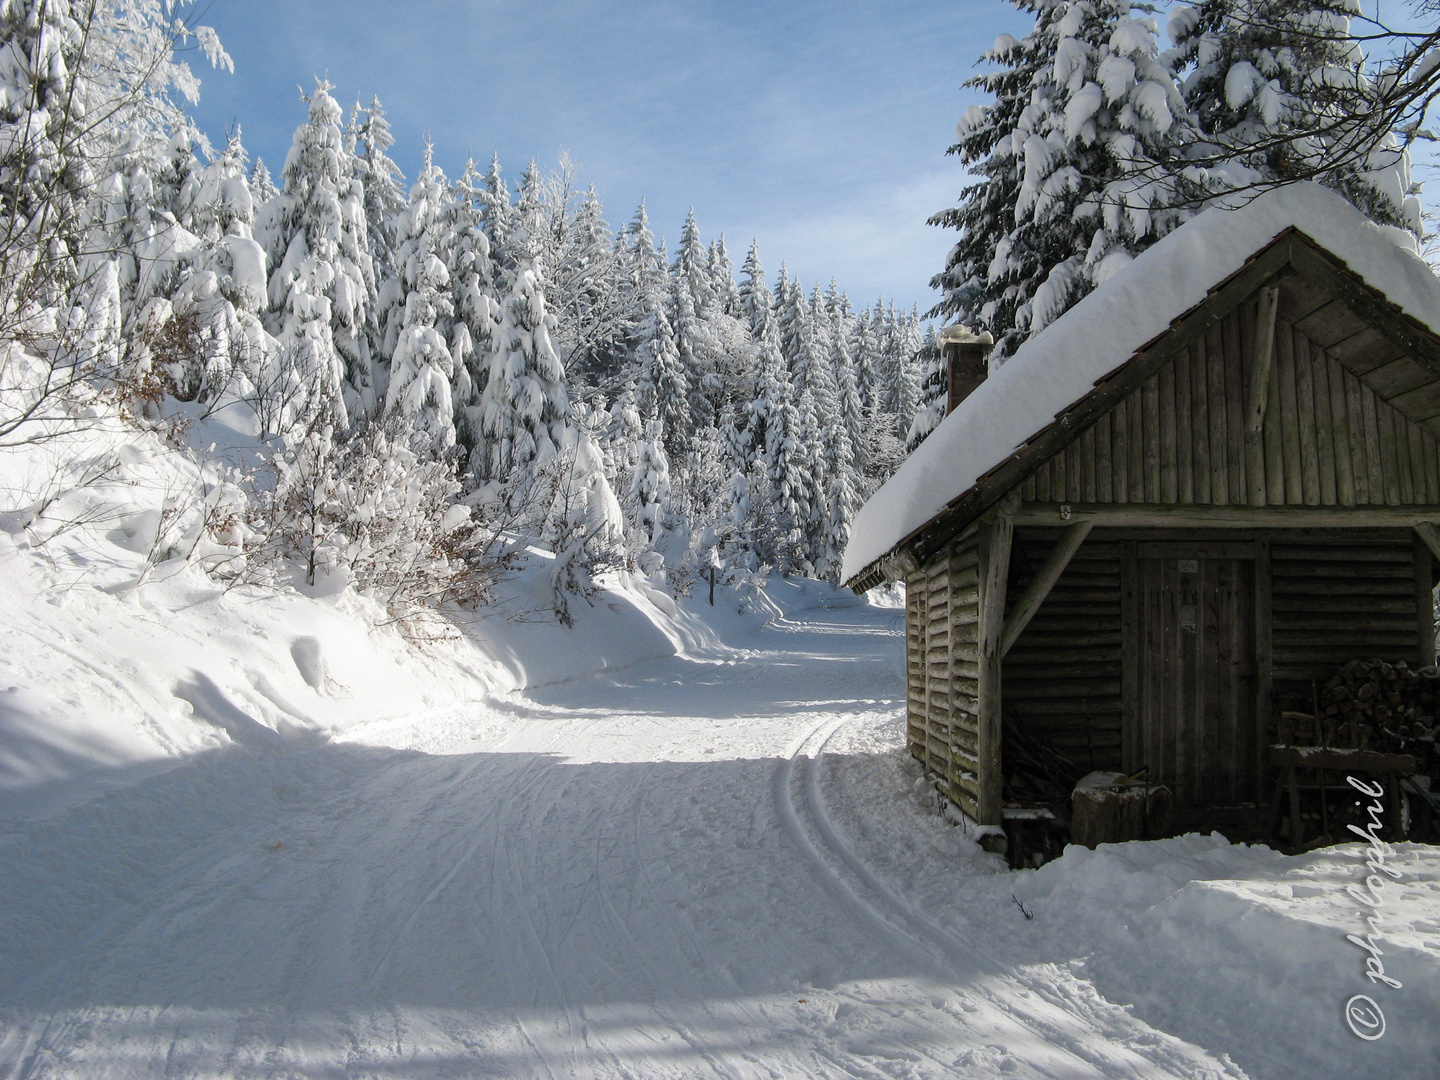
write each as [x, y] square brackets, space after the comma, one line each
[1060, 365]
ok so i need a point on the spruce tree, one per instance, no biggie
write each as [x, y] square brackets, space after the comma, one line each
[1270, 84]
[262, 188]
[756, 302]
[934, 391]
[422, 367]
[1071, 164]
[524, 412]
[650, 487]
[385, 200]
[663, 385]
[323, 283]
[722, 278]
[474, 281]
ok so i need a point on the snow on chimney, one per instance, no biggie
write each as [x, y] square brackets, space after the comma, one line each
[965, 354]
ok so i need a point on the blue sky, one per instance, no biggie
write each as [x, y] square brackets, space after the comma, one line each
[820, 128]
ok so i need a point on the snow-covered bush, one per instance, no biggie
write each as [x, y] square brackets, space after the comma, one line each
[369, 511]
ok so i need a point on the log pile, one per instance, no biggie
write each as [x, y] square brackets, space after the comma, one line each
[1369, 705]
[1376, 706]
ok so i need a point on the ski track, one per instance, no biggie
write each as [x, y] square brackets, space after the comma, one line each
[643, 878]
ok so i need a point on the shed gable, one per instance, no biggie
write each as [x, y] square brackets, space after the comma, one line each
[1348, 421]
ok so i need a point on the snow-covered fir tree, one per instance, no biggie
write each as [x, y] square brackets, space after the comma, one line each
[421, 366]
[524, 411]
[1260, 78]
[323, 281]
[934, 391]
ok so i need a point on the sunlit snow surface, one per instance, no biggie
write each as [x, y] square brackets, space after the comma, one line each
[714, 861]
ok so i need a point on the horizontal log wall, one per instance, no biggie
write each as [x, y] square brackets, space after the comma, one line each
[1061, 678]
[1338, 598]
[942, 616]
[1328, 438]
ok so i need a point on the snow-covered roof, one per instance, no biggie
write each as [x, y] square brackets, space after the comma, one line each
[1062, 364]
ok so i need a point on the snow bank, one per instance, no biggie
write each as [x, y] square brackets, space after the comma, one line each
[1243, 949]
[118, 657]
[1061, 364]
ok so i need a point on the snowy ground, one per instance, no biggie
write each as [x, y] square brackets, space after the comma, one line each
[246, 835]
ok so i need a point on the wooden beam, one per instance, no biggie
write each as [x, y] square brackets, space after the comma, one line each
[995, 538]
[1430, 533]
[1131, 743]
[1133, 515]
[1264, 352]
[1043, 581]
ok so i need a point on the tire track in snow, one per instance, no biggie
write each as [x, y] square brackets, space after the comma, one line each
[1090, 1040]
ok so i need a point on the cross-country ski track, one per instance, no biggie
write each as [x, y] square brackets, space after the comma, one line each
[706, 865]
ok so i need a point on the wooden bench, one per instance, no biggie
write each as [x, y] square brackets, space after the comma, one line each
[1306, 767]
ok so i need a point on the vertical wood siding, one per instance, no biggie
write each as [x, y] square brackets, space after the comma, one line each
[1181, 438]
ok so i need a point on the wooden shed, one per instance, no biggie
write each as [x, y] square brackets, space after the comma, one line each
[1200, 491]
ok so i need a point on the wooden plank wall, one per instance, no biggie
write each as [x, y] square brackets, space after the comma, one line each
[942, 616]
[1328, 439]
[1338, 598]
[1062, 676]
[1337, 595]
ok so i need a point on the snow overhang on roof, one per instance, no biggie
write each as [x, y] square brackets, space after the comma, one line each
[1066, 361]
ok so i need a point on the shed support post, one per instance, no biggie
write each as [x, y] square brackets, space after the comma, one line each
[1424, 600]
[1264, 661]
[1043, 581]
[995, 537]
[1430, 533]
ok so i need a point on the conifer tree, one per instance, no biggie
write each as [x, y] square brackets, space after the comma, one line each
[663, 386]
[852, 409]
[756, 302]
[1271, 85]
[499, 220]
[1070, 158]
[422, 367]
[262, 188]
[385, 199]
[474, 282]
[524, 411]
[934, 391]
[323, 281]
[650, 487]
[866, 352]
[722, 278]
[786, 506]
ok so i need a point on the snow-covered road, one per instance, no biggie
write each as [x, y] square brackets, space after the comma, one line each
[699, 866]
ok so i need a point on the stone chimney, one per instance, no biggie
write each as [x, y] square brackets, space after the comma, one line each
[966, 354]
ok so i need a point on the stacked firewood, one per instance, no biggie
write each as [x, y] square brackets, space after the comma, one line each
[1369, 705]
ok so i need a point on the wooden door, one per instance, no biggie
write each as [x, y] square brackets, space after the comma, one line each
[1194, 722]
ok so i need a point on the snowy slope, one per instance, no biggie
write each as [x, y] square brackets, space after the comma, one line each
[1062, 363]
[114, 665]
